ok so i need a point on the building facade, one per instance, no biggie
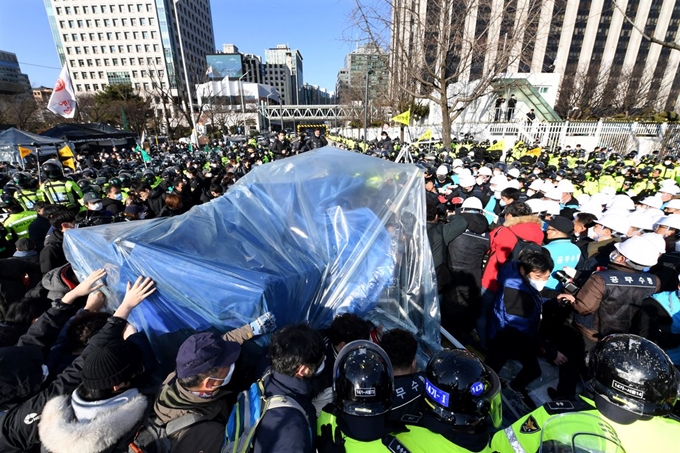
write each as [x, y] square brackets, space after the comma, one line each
[134, 42]
[604, 62]
[12, 80]
[366, 61]
[284, 68]
[315, 95]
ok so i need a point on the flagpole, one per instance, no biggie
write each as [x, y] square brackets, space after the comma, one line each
[186, 75]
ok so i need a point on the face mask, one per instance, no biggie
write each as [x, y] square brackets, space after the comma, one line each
[323, 365]
[502, 203]
[537, 172]
[225, 381]
[118, 196]
[538, 285]
[98, 206]
[441, 178]
[479, 180]
[497, 195]
[592, 234]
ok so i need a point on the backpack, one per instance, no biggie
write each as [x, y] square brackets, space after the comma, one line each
[250, 407]
[521, 246]
[154, 437]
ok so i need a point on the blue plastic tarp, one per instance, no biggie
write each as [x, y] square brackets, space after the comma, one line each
[307, 238]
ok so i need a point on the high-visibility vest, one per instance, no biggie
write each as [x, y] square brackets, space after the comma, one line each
[17, 224]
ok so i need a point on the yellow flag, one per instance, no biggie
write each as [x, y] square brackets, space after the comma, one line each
[498, 146]
[67, 157]
[426, 136]
[23, 152]
[403, 118]
[534, 152]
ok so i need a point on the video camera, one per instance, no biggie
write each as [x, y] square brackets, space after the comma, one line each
[567, 282]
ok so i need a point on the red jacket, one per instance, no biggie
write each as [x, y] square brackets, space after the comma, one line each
[503, 241]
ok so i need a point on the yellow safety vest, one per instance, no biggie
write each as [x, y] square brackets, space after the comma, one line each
[657, 435]
[61, 192]
[17, 224]
[351, 445]
[422, 440]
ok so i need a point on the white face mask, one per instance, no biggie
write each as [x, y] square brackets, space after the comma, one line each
[497, 195]
[118, 196]
[537, 284]
[98, 206]
[502, 202]
[592, 234]
[530, 192]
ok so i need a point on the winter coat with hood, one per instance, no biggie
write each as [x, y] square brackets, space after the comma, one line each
[19, 426]
[503, 241]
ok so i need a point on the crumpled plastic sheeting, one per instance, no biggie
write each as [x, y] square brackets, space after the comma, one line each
[307, 238]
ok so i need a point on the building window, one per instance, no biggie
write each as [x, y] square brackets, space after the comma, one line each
[147, 48]
[118, 35]
[112, 8]
[84, 75]
[142, 21]
[121, 8]
[93, 75]
[140, 60]
[158, 60]
[62, 24]
[80, 23]
[121, 49]
[134, 74]
[68, 51]
[107, 23]
[79, 87]
[139, 8]
[112, 49]
[115, 22]
[103, 49]
[81, 63]
[153, 35]
[76, 75]
[106, 61]
[130, 8]
[145, 35]
[76, 9]
[95, 49]
[86, 9]
[86, 49]
[149, 8]
[88, 23]
[114, 61]
[100, 74]
[74, 36]
[155, 47]
[123, 22]
[58, 11]
[97, 23]
[129, 48]
[135, 35]
[97, 62]
[94, 9]
[83, 36]
[87, 87]
[126, 35]
[152, 21]
[138, 47]
[68, 10]
[123, 61]
[95, 86]
[78, 50]
[133, 22]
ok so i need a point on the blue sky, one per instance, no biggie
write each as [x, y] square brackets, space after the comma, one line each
[317, 28]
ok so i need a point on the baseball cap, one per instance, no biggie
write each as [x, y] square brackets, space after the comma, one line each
[90, 198]
[562, 224]
[204, 351]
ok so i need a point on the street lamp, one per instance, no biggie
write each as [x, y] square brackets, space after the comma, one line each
[269, 121]
[186, 75]
[368, 73]
[243, 102]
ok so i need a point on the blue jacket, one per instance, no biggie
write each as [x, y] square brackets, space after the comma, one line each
[516, 305]
[670, 301]
[564, 253]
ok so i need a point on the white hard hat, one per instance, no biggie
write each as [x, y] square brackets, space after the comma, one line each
[554, 194]
[641, 220]
[621, 202]
[657, 240]
[565, 186]
[668, 182]
[583, 199]
[599, 198]
[457, 163]
[537, 205]
[552, 207]
[615, 222]
[442, 170]
[610, 192]
[513, 183]
[466, 181]
[670, 188]
[472, 203]
[673, 204]
[513, 172]
[536, 185]
[485, 171]
[546, 186]
[672, 221]
[591, 208]
[652, 202]
[639, 250]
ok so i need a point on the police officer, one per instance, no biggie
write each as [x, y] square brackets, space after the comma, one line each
[357, 419]
[57, 189]
[462, 405]
[25, 195]
[18, 221]
[635, 386]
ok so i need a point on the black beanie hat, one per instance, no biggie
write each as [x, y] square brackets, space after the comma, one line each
[113, 364]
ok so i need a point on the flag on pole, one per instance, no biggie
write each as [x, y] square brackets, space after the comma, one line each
[66, 156]
[63, 99]
[145, 156]
[426, 136]
[498, 146]
[534, 152]
[403, 118]
[209, 71]
[23, 152]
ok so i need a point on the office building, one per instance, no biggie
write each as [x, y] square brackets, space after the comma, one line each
[284, 72]
[134, 42]
[315, 95]
[366, 61]
[42, 94]
[12, 80]
[597, 52]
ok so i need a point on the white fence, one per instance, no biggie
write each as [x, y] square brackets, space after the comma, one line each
[622, 137]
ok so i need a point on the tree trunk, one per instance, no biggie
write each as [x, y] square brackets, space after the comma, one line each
[446, 123]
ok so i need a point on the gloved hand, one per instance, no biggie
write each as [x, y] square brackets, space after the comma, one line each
[264, 324]
[329, 443]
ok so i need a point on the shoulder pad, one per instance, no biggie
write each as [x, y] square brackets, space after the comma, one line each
[563, 407]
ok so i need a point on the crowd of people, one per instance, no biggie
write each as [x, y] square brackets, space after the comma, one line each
[567, 258]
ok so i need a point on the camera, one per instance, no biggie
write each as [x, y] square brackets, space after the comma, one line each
[567, 282]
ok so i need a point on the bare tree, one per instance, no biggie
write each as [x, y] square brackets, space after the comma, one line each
[651, 37]
[448, 51]
[19, 110]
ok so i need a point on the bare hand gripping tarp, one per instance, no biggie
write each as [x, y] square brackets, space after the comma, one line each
[306, 237]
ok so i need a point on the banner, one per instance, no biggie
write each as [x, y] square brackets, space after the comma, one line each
[23, 152]
[534, 152]
[66, 156]
[426, 136]
[403, 118]
[63, 99]
[498, 146]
